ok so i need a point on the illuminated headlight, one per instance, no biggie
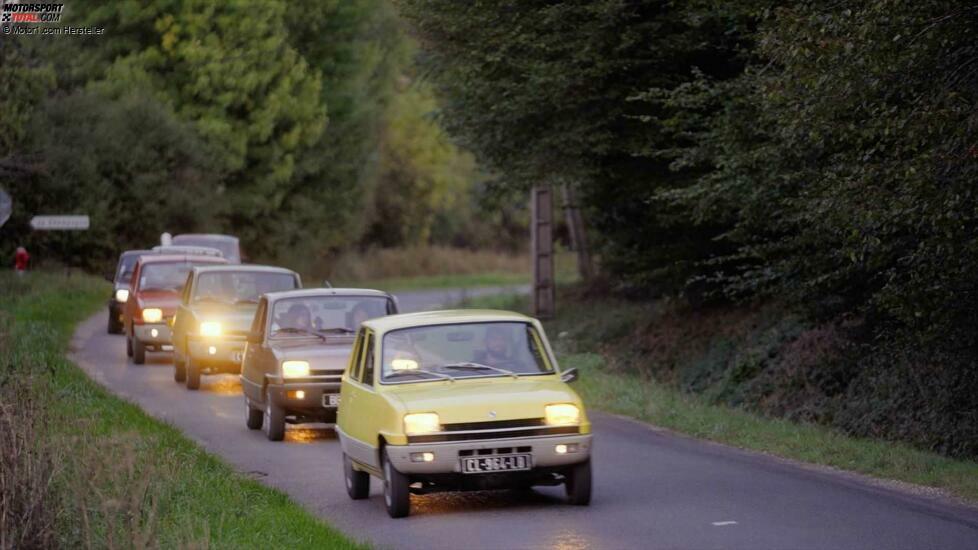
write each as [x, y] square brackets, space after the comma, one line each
[421, 423]
[295, 369]
[122, 295]
[152, 315]
[562, 414]
[210, 328]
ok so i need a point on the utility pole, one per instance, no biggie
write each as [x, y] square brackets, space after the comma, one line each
[541, 249]
[578, 236]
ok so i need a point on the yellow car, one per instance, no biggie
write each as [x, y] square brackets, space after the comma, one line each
[459, 400]
[216, 309]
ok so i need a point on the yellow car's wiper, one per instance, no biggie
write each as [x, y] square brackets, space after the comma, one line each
[469, 365]
[442, 376]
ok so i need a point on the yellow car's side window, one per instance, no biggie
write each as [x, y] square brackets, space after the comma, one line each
[368, 360]
[355, 357]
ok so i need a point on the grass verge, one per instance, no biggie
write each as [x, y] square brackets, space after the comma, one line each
[603, 386]
[84, 468]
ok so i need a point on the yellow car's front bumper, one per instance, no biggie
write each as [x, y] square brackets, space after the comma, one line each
[448, 456]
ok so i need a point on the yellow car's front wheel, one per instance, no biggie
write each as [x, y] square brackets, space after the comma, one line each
[397, 490]
[578, 484]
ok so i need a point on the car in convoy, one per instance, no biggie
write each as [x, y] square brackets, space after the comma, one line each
[187, 250]
[120, 279]
[298, 347]
[214, 315]
[154, 292]
[460, 400]
[228, 245]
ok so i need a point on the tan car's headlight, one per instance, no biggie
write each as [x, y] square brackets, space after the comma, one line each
[152, 315]
[295, 369]
[122, 295]
[210, 328]
[562, 414]
[421, 423]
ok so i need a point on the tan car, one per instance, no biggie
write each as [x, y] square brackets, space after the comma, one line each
[298, 346]
[214, 315]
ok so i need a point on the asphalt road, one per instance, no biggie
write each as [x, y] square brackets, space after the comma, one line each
[653, 489]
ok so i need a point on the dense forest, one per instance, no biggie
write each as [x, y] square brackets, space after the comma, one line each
[822, 155]
[818, 156]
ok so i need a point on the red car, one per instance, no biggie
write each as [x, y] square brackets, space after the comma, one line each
[154, 294]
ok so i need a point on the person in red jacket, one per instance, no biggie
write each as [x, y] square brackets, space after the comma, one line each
[21, 259]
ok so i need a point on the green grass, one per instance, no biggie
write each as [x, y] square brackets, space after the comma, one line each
[122, 477]
[643, 398]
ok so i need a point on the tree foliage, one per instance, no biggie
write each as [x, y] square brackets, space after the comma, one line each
[823, 154]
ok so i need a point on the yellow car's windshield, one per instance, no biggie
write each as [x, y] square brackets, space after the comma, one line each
[463, 350]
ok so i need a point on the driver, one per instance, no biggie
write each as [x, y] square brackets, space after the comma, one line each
[496, 353]
[298, 317]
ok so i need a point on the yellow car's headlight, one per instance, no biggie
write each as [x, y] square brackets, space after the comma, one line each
[562, 414]
[210, 328]
[122, 295]
[152, 315]
[295, 369]
[421, 423]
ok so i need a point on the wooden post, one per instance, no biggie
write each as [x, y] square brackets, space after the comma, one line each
[578, 236]
[542, 246]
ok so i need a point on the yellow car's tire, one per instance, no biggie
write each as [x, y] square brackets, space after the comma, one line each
[138, 352]
[357, 483]
[179, 370]
[193, 375]
[578, 484]
[397, 491]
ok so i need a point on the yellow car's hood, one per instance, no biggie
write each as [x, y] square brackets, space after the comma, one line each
[487, 399]
[232, 318]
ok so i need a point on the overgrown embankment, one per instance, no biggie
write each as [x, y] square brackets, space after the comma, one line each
[764, 379]
[82, 468]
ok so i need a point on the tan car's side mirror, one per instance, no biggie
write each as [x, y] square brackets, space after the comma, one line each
[569, 375]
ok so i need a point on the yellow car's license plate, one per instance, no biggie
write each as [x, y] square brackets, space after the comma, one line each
[496, 463]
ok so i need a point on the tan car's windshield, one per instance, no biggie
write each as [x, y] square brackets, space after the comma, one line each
[237, 287]
[324, 314]
[462, 351]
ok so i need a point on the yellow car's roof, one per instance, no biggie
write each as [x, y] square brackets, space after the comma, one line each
[445, 317]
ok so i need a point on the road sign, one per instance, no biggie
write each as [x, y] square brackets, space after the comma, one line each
[6, 207]
[59, 223]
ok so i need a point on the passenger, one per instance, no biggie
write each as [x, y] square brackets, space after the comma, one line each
[359, 314]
